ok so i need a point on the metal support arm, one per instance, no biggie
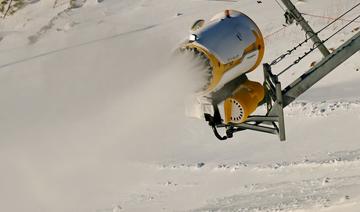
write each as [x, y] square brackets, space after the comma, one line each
[321, 69]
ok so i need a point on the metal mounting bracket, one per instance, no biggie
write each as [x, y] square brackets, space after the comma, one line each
[272, 122]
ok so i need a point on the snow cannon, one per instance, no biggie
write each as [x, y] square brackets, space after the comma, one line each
[243, 102]
[230, 44]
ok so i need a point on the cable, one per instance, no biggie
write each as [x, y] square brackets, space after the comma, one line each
[327, 17]
[317, 46]
[339, 17]
[275, 32]
[288, 52]
[342, 28]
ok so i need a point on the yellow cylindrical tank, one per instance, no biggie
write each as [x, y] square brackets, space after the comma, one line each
[243, 102]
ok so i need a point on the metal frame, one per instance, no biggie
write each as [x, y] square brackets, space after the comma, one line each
[276, 98]
[321, 69]
[272, 122]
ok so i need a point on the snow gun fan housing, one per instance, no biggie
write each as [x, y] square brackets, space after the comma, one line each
[231, 45]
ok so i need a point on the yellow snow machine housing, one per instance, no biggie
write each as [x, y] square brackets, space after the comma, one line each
[231, 45]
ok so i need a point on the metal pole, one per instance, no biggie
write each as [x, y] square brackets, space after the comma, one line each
[306, 27]
[321, 69]
[8, 9]
[280, 111]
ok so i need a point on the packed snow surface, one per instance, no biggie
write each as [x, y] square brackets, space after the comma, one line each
[92, 114]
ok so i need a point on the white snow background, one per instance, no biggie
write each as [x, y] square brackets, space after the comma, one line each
[92, 114]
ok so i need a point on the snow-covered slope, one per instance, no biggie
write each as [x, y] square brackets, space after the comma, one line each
[92, 115]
